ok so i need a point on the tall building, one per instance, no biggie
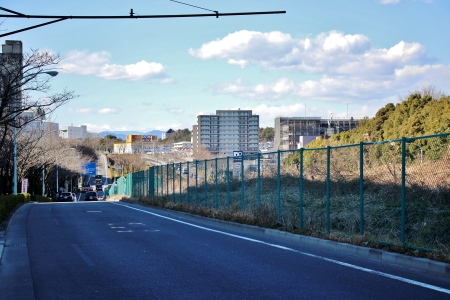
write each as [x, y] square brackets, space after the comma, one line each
[11, 71]
[294, 132]
[226, 131]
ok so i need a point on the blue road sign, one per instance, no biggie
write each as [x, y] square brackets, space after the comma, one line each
[237, 156]
[90, 168]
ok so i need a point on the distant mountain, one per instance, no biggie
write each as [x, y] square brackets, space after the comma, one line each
[122, 134]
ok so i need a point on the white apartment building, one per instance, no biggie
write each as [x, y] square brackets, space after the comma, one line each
[225, 132]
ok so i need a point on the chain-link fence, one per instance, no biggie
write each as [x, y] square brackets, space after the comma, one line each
[395, 192]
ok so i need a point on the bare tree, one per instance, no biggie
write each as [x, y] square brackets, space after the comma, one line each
[24, 88]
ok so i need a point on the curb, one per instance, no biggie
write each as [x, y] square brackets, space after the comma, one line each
[392, 258]
[2, 244]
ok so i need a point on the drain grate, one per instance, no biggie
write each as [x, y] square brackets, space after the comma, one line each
[16, 245]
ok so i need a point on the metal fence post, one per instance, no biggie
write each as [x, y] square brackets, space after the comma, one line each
[151, 182]
[328, 190]
[259, 180]
[187, 183]
[301, 188]
[167, 180]
[278, 187]
[173, 183]
[157, 181]
[181, 176]
[217, 188]
[361, 188]
[228, 182]
[196, 182]
[206, 184]
[242, 184]
[403, 189]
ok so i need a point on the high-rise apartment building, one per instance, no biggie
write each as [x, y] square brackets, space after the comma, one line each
[292, 131]
[11, 72]
[225, 132]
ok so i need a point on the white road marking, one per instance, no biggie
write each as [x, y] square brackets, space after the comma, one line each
[413, 282]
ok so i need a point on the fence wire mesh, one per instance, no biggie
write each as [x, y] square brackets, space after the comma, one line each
[391, 191]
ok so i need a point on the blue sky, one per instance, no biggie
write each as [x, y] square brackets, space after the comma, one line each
[322, 58]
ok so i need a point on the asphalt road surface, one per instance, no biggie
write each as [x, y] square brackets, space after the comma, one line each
[116, 250]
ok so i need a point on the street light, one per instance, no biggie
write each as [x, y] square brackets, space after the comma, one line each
[51, 73]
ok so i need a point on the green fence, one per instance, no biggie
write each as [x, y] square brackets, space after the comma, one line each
[395, 191]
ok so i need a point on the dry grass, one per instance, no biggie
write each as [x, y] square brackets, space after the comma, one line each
[427, 200]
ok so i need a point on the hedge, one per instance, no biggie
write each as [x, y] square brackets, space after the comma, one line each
[10, 202]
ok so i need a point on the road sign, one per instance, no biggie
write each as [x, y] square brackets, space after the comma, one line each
[90, 168]
[237, 155]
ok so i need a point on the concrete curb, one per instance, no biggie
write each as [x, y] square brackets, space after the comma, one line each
[2, 244]
[397, 259]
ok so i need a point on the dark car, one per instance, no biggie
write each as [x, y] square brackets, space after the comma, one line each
[90, 196]
[99, 188]
[65, 197]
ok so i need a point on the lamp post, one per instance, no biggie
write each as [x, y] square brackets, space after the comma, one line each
[51, 73]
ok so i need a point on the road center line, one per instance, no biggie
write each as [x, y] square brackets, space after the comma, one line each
[413, 282]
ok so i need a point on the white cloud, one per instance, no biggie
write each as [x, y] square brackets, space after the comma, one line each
[341, 88]
[343, 66]
[98, 64]
[389, 1]
[176, 111]
[323, 89]
[83, 110]
[166, 81]
[333, 53]
[104, 127]
[108, 111]
[397, 1]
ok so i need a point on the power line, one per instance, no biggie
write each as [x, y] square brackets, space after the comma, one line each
[192, 5]
[130, 16]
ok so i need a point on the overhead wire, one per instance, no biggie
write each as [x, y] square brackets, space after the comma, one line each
[192, 5]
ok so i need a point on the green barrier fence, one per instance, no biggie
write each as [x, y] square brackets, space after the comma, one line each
[395, 191]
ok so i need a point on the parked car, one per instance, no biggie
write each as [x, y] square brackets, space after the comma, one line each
[91, 196]
[65, 197]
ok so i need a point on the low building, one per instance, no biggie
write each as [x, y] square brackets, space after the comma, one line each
[136, 144]
[294, 132]
[181, 146]
[166, 134]
[77, 133]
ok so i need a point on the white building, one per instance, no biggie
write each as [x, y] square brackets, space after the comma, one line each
[181, 146]
[77, 133]
[226, 131]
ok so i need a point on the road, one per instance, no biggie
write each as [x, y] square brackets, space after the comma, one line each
[117, 250]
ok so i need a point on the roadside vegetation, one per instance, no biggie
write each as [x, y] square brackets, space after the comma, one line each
[427, 199]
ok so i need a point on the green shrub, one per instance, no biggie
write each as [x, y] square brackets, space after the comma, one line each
[10, 202]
